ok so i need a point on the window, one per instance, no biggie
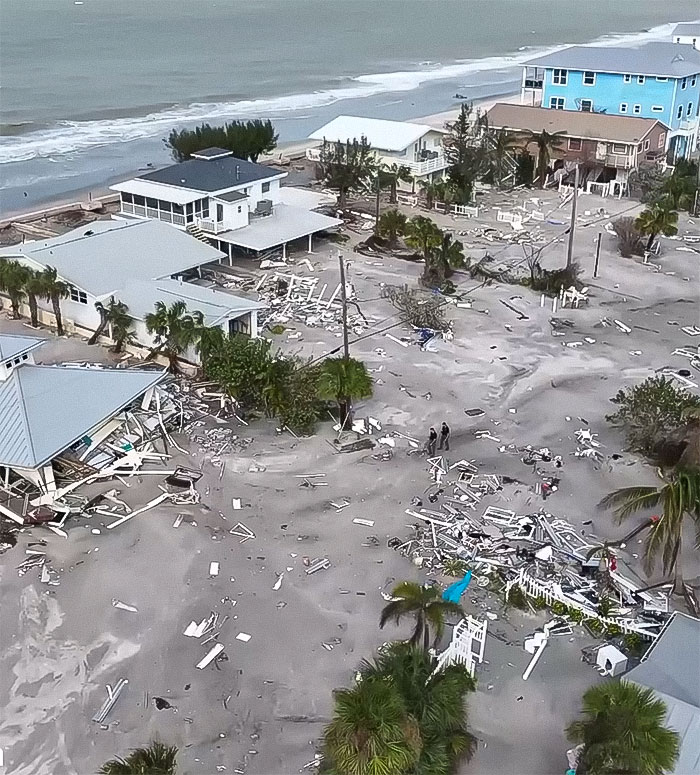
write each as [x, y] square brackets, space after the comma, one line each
[684, 83]
[657, 108]
[689, 111]
[680, 112]
[588, 78]
[637, 109]
[265, 188]
[139, 200]
[188, 208]
[151, 203]
[239, 208]
[587, 106]
[126, 197]
[575, 143]
[560, 77]
[165, 207]
[662, 139]
[623, 107]
[641, 79]
[8, 365]
[25, 356]
[627, 78]
[17, 361]
[178, 209]
[619, 148]
[557, 103]
[693, 80]
[661, 78]
[77, 295]
[646, 145]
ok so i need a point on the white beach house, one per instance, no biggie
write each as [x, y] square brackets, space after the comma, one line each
[231, 203]
[416, 146]
[687, 33]
[138, 263]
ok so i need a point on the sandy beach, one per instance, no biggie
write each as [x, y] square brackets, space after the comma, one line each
[262, 711]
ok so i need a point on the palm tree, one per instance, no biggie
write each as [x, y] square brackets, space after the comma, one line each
[657, 219]
[54, 290]
[371, 733]
[622, 731]
[154, 759]
[501, 144]
[174, 329]
[120, 323]
[425, 605]
[389, 176]
[431, 191]
[423, 234]
[441, 263]
[392, 223]
[679, 498]
[547, 143]
[13, 277]
[102, 325]
[34, 288]
[342, 380]
[434, 698]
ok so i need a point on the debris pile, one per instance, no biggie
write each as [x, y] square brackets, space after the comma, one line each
[290, 297]
[538, 555]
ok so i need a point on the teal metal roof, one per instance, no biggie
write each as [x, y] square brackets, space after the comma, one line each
[46, 409]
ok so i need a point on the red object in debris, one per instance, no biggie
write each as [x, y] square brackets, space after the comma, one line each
[39, 515]
[613, 563]
[654, 517]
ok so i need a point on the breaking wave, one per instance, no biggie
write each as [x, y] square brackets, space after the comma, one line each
[66, 137]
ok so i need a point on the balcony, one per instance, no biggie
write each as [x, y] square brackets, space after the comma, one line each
[141, 211]
[210, 226]
[688, 126]
[533, 83]
[418, 168]
[622, 161]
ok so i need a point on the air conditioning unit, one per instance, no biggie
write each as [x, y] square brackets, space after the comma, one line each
[263, 207]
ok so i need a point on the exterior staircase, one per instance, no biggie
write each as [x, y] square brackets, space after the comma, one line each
[197, 233]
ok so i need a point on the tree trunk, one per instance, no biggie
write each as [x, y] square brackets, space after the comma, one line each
[343, 410]
[118, 344]
[101, 326]
[650, 243]
[678, 584]
[426, 636]
[33, 310]
[56, 304]
[342, 198]
[172, 362]
[393, 197]
[15, 302]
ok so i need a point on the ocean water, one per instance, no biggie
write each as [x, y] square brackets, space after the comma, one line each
[89, 89]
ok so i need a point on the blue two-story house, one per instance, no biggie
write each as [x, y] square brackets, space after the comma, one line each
[658, 80]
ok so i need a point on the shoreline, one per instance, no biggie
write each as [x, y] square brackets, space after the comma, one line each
[290, 150]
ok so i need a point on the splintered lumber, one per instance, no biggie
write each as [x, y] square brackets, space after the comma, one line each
[211, 656]
[151, 504]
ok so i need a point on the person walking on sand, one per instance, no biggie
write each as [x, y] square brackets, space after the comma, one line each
[445, 437]
[432, 442]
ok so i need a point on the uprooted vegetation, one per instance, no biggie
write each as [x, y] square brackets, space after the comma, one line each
[418, 308]
[629, 239]
[661, 421]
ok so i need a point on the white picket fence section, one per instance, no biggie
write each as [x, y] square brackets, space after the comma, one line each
[467, 645]
[553, 592]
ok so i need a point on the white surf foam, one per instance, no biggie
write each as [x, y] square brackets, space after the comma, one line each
[67, 137]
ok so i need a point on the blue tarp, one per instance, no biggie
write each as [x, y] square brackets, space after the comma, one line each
[454, 592]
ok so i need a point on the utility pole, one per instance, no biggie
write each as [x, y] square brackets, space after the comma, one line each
[597, 255]
[344, 301]
[572, 228]
[376, 209]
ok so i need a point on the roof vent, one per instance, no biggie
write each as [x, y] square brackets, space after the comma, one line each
[238, 171]
[678, 58]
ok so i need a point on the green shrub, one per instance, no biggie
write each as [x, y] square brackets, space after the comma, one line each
[539, 603]
[454, 567]
[559, 608]
[516, 597]
[634, 643]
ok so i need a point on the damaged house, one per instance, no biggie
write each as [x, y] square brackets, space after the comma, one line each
[606, 148]
[53, 417]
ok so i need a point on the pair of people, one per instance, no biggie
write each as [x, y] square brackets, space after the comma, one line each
[444, 439]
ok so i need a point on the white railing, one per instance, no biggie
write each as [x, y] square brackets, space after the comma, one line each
[687, 126]
[620, 161]
[213, 227]
[416, 167]
[127, 208]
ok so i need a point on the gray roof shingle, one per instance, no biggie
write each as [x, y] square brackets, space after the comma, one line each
[46, 409]
[667, 60]
[212, 174]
